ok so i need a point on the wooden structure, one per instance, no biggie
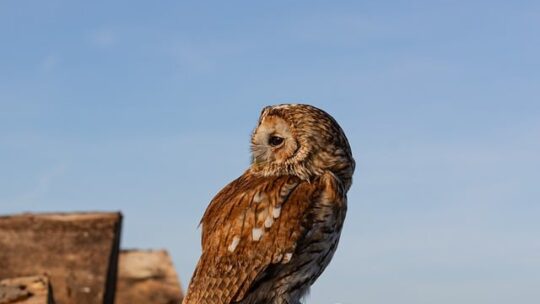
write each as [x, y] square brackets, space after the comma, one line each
[79, 252]
[26, 290]
[147, 277]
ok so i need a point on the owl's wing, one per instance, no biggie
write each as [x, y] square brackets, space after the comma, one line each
[252, 223]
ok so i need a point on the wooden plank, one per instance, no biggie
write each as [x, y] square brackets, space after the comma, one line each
[79, 252]
[26, 290]
[147, 277]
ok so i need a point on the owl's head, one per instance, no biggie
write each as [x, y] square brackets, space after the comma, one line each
[301, 140]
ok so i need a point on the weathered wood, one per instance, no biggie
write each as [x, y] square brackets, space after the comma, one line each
[147, 277]
[26, 290]
[78, 251]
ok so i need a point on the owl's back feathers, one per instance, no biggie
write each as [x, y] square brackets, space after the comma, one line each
[252, 224]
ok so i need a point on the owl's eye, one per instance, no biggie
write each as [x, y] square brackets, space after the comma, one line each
[275, 141]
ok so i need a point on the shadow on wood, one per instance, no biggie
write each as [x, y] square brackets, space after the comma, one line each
[26, 290]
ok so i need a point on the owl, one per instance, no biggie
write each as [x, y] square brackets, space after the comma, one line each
[269, 234]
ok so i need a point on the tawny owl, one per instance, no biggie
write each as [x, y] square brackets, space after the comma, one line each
[268, 235]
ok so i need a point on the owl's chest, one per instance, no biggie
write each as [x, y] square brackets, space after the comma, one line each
[325, 217]
[316, 249]
[323, 227]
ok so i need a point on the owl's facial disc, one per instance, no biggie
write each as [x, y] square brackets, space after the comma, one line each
[273, 141]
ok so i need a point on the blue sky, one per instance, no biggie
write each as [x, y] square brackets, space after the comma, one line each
[147, 108]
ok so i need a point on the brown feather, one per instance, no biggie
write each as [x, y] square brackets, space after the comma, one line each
[224, 276]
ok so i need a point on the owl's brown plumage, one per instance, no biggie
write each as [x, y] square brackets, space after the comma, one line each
[268, 235]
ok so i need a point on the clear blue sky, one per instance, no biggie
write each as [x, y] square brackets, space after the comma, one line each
[147, 108]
